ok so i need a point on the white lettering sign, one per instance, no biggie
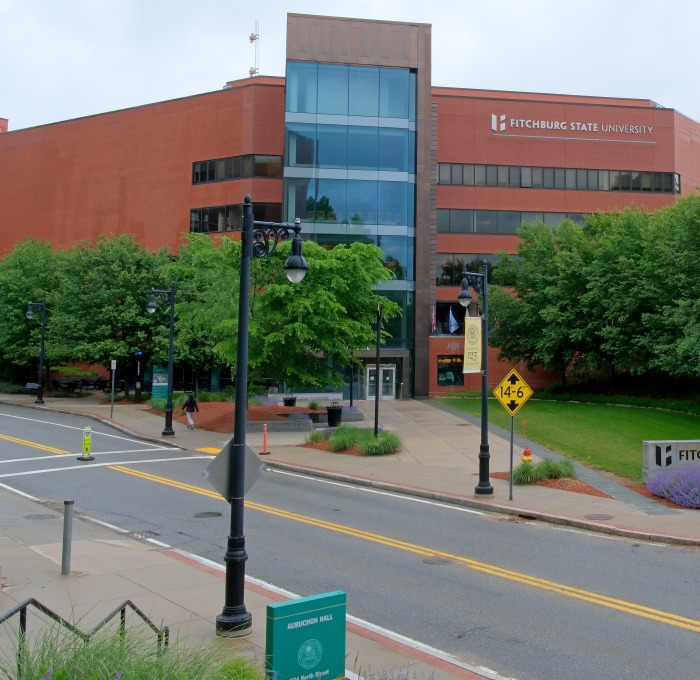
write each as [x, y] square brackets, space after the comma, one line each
[499, 125]
[669, 455]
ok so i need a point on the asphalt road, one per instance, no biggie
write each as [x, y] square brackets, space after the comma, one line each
[531, 601]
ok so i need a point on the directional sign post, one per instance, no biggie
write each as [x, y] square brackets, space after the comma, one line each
[512, 392]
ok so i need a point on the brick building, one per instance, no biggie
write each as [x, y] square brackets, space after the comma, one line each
[356, 142]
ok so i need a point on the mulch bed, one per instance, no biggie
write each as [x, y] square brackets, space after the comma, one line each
[218, 416]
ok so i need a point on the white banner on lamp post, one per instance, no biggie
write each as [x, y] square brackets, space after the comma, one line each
[472, 344]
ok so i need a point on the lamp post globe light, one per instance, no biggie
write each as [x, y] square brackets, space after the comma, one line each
[167, 297]
[480, 284]
[258, 239]
[30, 315]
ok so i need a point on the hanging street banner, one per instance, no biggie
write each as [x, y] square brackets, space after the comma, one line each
[472, 344]
[160, 382]
[512, 392]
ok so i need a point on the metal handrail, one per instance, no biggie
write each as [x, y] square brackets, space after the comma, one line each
[163, 634]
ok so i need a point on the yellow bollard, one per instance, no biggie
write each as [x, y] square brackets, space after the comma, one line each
[87, 443]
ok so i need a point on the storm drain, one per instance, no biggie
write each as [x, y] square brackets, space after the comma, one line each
[205, 515]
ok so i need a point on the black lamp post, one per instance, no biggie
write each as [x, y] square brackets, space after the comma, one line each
[30, 315]
[480, 284]
[377, 383]
[167, 296]
[258, 239]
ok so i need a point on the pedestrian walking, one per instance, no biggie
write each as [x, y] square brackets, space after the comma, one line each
[189, 407]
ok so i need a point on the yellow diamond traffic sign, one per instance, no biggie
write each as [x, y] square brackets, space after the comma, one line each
[512, 392]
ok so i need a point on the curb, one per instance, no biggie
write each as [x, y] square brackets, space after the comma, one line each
[531, 515]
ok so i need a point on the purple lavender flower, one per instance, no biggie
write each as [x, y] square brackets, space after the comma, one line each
[681, 486]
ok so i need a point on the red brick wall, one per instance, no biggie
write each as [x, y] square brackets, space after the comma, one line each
[131, 171]
[454, 345]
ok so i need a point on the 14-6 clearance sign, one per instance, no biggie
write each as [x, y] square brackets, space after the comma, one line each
[512, 392]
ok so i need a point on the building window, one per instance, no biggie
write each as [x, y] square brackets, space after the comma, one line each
[236, 167]
[573, 179]
[450, 367]
[230, 217]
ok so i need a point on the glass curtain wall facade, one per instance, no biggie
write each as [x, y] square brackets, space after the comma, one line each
[350, 166]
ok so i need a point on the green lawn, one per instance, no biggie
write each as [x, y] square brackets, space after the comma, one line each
[599, 436]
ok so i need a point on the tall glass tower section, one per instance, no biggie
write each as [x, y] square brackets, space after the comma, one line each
[350, 167]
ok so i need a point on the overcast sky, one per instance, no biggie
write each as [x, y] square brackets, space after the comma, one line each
[62, 59]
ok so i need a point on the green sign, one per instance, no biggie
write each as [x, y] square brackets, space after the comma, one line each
[305, 638]
[160, 383]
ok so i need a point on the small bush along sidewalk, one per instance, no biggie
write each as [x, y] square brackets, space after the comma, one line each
[360, 439]
[547, 468]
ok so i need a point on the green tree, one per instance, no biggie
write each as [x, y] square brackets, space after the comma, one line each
[302, 334]
[305, 334]
[672, 287]
[540, 321]
[206, 301]
[28, 272]
[100, 310]
[617, 291]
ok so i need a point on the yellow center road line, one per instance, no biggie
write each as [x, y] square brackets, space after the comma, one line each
[490, 569]
[33, 445]
[168, 482]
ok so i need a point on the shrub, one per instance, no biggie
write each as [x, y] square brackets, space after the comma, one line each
[315, 436]
[344, 438]
[681, 486]
[555, 469]
[157, 404]
[525, 473]
[383, 444]
[547, 468]
[62, 657]
[314, 405]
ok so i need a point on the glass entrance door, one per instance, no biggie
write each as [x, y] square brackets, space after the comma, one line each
[387, 381]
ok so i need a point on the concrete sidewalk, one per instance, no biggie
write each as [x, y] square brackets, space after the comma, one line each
[439, 460]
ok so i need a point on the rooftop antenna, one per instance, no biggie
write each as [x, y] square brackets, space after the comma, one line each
[255, 38]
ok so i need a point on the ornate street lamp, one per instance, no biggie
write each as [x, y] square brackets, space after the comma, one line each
[167, 297]
[480, 284]
[30, 315]
[258, 239]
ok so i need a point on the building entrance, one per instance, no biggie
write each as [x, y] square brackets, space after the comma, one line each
[387, 381]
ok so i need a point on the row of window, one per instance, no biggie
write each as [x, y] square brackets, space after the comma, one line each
[451, 266]
[230, 217]
[236, 167]
[397, 251]
[496, 221]
[350, 201]
[338, 89]
[557, 178]
[347, 146]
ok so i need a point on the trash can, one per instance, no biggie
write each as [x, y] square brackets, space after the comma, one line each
[335, 414]
[289, 400]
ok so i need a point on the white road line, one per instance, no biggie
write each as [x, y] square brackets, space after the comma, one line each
[379, 492]
[80, 453]
[80, 429]
[12, 489]
[94, 465]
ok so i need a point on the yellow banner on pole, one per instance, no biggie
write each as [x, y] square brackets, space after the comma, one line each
[472, 344]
